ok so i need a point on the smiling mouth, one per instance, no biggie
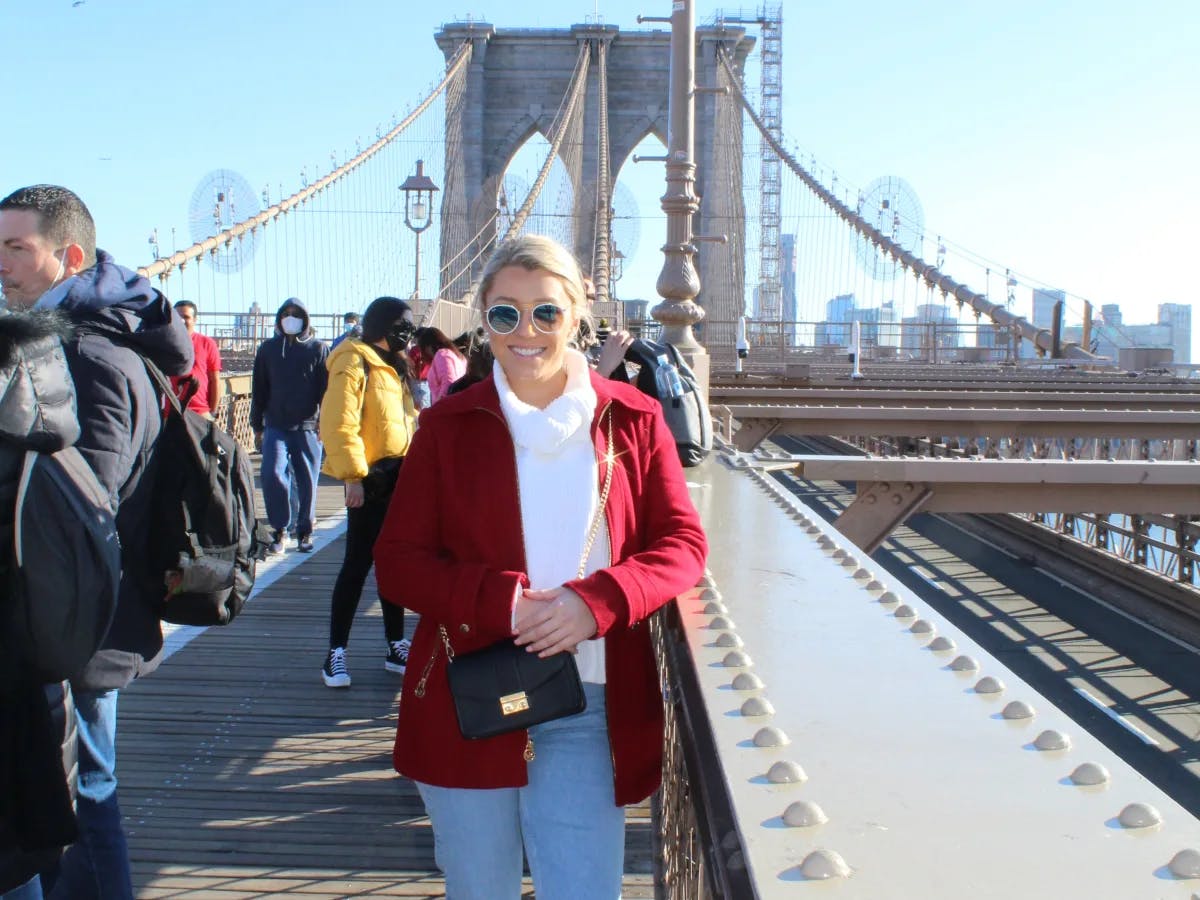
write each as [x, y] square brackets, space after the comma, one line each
[528, 352]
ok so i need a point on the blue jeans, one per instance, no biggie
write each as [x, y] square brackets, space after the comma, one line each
[97, 864]
[30, 890]
[303, 450]
[572, 830]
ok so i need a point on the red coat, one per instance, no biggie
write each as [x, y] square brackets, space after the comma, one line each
[452, 549]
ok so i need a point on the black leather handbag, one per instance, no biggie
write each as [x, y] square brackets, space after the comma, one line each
[504, 687]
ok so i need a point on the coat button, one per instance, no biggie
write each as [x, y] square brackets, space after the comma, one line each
[464, 628]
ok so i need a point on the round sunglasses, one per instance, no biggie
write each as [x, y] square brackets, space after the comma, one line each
[503, 318]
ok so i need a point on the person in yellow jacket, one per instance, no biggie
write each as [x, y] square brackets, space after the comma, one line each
[367, 422]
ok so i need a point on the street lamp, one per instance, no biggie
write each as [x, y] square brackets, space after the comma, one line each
[616, 270]
[418, 211]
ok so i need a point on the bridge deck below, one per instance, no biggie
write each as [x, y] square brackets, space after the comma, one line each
[243, 776]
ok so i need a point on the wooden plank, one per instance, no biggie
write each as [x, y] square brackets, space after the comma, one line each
[243, 776]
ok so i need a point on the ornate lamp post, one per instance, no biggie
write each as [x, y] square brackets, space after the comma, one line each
[616, 269]
[418, 212]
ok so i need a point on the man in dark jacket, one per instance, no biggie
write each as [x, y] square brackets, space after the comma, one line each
[289, 381]
[37, 722]
[52, 263]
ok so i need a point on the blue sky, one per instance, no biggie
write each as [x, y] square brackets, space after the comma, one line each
[1058, 139]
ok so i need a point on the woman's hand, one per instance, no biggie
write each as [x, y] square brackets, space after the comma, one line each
[552, 621]
[613, 352]
[355, 495]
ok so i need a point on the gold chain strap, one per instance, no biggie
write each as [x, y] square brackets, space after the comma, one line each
[609, 460]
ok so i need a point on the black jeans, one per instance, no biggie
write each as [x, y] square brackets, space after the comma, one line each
[362, 528]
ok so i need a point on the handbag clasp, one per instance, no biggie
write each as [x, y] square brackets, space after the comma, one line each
[514, 703]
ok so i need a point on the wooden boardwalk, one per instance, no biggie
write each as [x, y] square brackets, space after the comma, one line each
[242, 775]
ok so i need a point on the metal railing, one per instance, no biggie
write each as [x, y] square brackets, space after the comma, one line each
[697, 849]
[1163, 544]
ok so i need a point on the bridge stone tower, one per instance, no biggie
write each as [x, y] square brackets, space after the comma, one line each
[515, 84]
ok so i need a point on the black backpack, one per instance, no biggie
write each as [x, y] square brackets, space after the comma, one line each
[205, 538]
[65, 575]
[666, 376]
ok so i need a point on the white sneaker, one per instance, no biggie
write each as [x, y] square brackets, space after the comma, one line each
[334, 671]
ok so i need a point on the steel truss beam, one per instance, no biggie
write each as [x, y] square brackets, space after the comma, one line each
[761, 420]
[889, 490]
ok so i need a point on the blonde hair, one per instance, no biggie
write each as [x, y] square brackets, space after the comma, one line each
[537, 252]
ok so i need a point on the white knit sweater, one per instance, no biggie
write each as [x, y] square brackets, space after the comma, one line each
[556, 475]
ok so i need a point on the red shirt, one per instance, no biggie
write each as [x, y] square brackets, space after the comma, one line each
[453, 552]
[208, 359]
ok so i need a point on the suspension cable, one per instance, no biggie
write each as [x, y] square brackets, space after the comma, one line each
[162, 266]
[1039, 337]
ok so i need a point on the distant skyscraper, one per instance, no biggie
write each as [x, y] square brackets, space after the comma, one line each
[1043, 306]
[835, 330]
[1111, 313]
[787, 282]
[1179, 317]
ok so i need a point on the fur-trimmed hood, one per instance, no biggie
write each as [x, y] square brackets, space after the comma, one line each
[37, 395]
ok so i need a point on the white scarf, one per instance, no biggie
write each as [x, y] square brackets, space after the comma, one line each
[556, 475]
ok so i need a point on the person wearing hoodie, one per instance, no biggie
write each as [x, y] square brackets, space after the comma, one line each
[288, 383]
[49, 260]
[37, 720]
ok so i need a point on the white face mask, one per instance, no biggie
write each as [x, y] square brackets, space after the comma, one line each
[291, 325]
[62, 268]
[350, 326]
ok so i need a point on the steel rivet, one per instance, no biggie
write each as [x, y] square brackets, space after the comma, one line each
[963, 664]
[710, 593]
[770, 737]
[786, 772]
[715, 609]
[825, 541]
[942, 644]
[804, 814]
[1185, 864]
[989, 684]
[862, 574]
[728, 639]
[904, 611]
[921, 626]
[723, 623]
[875, 586]
[747, 681]
[1018, 709]
[1090, 774]
[821, 865]
[706, 581]
[812, 529]
[758, 706]
[849, 562]
[736, 659]
[889, 597]
[839, 553]
[1139, 815]
[1052, 740]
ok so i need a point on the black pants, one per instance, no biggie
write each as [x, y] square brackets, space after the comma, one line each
[363, 524]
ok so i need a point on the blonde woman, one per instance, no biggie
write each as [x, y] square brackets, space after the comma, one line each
[502, 487]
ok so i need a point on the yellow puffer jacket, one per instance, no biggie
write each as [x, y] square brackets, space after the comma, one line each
[364, 417]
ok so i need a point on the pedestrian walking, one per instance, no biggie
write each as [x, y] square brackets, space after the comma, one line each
[288, 383]
[368, 418]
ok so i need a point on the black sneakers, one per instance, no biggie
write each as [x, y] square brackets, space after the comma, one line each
[304, 543]
[276, 545]
[397, 658]
[334, 672]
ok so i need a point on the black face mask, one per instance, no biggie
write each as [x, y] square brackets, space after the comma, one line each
[401, 333]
